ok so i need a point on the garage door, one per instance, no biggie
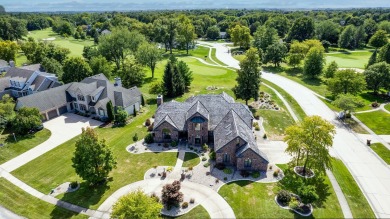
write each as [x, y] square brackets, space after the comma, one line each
[63, 110]
[52, 114]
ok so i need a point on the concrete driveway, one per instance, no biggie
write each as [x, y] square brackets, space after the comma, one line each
[63, 128]
[215, 205]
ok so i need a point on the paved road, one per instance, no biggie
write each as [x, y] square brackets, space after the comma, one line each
[369, 171]
[372, 175]
[62, 128]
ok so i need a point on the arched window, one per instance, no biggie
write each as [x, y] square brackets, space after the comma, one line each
[247, 162]
[198, 119]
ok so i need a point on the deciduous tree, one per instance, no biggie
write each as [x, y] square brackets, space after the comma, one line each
[241, 36]
[384, 54]
[75, 70]
[378, 76]
[309, 142]
[275, 53]
[302, 29]
[99, 65]
[26, 119]
[186, 31]
[8, 50]
[148, 54]
[347, 81]
[264, 37]
[171, 194]
[348, 102]
[136, 205]
[212, 32]
[132, 73]
[92, 159]
[297, 53]
[379, 39]
[314, 63]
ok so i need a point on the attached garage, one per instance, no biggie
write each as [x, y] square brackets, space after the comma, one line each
[52, 114]
[63, 110]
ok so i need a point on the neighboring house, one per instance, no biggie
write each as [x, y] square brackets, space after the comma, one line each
[105, 32]
[89, 96]
[26, 80]
[4, 66]
[212, 119]
[222, 35]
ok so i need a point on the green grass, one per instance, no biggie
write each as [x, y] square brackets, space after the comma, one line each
[12, 149]
[296, 108]
[377, 121]
[214, 57]
[387, 106]
[256, 200]
[54, 167]
[382, 151]
[356, 59]
[197, 213]
[23, 204]
[318, 85]
[75, 46]
[239, 57]
[357, 202]
[275, 122]
[191, 159]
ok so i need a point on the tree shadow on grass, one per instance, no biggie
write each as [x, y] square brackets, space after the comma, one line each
[273, 69]
[292, 182]
[59, 212]
[87, 195]
[294, 71]
[313, 81]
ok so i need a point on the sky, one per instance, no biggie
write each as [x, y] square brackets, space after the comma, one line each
[123, 5]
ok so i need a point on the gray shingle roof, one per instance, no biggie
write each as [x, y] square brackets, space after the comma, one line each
[45, 100]
[198, 107]
[3, 63]
[33, 67]
[217, 107]
[22, 74]
[4, 83]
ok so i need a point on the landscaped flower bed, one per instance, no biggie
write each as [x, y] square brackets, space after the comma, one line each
[299, 171]
[293, 202]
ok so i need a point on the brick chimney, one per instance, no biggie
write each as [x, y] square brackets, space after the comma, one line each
[160, 100]
[11, 63]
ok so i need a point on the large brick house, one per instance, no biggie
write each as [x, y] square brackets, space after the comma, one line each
[89, 96]
[216, 120]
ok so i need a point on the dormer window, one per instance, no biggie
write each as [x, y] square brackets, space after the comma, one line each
[237, 142]
[80, 97]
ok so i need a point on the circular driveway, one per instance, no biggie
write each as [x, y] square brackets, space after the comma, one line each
[214, 204]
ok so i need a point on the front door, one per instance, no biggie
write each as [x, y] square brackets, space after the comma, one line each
[197, 140]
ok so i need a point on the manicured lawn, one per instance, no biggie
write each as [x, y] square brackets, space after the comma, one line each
[319, 86]
[387, 106]
[256, 200]
[191, 159]
[75, 46]
[53, 168]
[357, 202]
[214, 57]
[275, 122]
[197, 213]
[356, 59]
[23, 204]
[239, 57]
[382, 151]
[12, 149]
[377, 121]
[290, 100]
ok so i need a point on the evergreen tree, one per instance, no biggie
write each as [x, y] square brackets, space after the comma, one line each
[186, 72]
[110, 111]
[331, 69]
[167, 79]
[248, 77]
[372, 59]
[384, 54]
